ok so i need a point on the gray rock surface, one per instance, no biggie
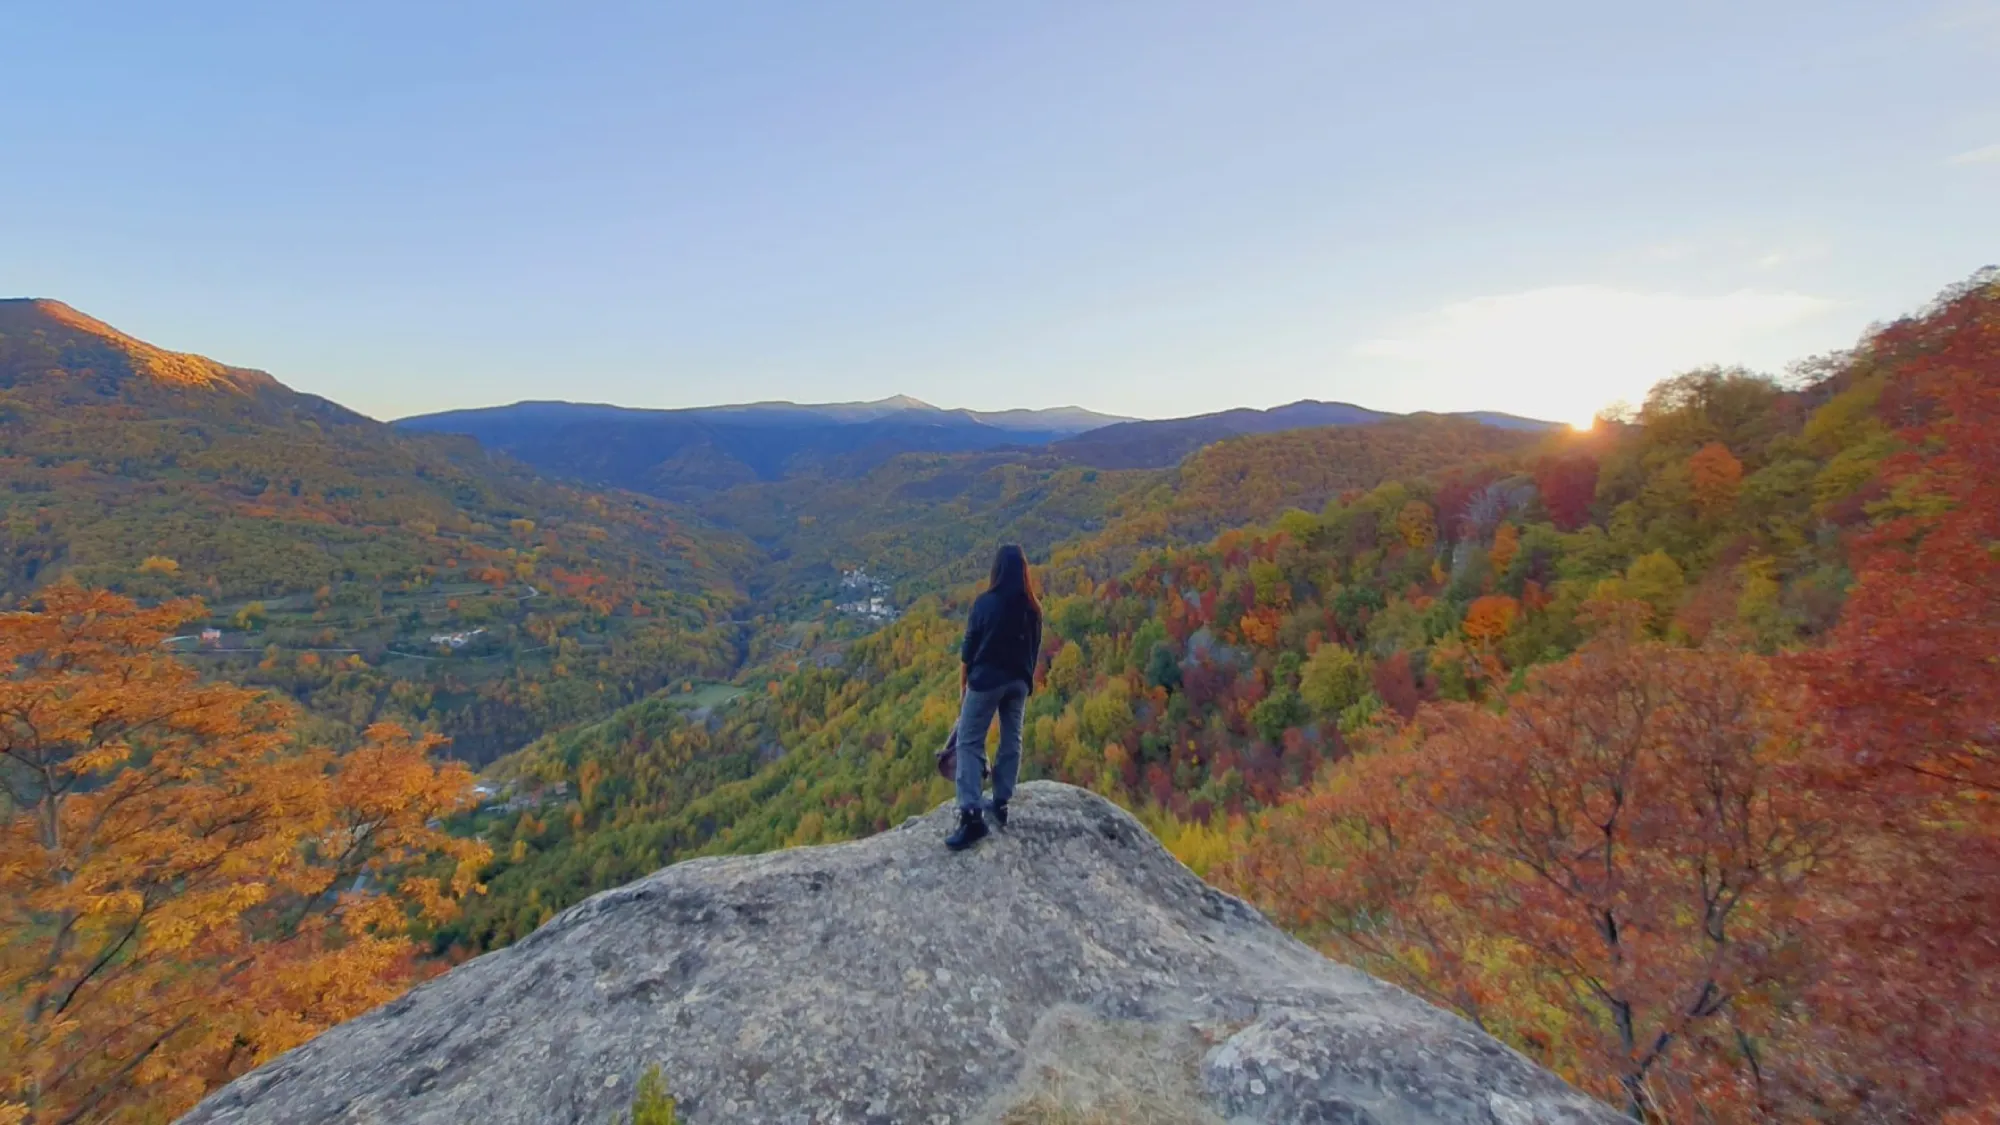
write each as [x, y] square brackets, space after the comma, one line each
[1068, 969]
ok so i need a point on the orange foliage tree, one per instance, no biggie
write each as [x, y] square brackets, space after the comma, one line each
[1260, 627]
[185, 892]
[1489, 619]
[1608, 873]
[1716, 475]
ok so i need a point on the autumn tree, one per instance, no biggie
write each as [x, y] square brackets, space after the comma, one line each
[1332, 679]
[1910, 985]
[1567, 485]
[1716, 475]
[1506, 545]
[1655, 581]
[1396, 683]
[1488, 620]
[1416, 525]
[1607, 873]
[185, 892]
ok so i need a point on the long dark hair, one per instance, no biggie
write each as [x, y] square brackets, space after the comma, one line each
[1010, 578]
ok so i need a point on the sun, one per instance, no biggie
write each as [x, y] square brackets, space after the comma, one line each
[1588, 424]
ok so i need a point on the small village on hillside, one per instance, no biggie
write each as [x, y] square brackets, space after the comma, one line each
[867, 597]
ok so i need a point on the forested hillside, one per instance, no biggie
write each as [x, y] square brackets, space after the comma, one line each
[1659, 750]
[330, 549]
[930, 520]
[1156, 444]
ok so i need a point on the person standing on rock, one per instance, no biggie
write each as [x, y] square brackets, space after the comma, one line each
[1003, 639]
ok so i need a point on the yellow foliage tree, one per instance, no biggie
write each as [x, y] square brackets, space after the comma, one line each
[1506, 545]
[1066, 671]
[184, 892]
[1417, 525]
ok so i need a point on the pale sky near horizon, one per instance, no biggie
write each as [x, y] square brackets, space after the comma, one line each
[1152, 209]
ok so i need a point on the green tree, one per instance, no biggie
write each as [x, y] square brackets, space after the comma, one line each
[1332, 680]
[1145, 638]
[651, 1104]
[1276, 713]
[1163, 668]
[1657, 580]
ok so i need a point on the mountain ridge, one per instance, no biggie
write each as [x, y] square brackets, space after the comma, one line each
[687, 452]
[1157, 443]
[682, 452]
[71, 327]
[1051, 419]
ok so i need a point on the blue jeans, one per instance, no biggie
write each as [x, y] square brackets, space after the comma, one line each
[975, 717]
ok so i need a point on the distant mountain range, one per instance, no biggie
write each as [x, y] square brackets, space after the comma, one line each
[702, 449]
[698, 450]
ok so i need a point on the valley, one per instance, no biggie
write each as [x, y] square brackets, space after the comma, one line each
[1250, 626]
[1266, 665]
[331, 549]
[1477, 528]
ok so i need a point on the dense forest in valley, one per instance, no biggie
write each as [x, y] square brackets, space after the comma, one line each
[928, 519]
[896, 683]
[1664, 750]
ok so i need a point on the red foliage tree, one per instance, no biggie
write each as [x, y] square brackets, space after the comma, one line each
[1612, 869]
[1454, 492]
[1567, 485]
[1910, 685]
[1396, 684]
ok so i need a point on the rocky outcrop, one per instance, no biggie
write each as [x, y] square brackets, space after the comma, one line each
[1067, 969]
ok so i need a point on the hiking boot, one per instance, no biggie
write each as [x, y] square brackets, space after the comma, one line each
[971, 830]
[998, 812]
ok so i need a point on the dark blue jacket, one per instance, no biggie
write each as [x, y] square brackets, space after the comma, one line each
[1003, 639]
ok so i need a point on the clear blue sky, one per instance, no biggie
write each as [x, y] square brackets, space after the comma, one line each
[1152, 208]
